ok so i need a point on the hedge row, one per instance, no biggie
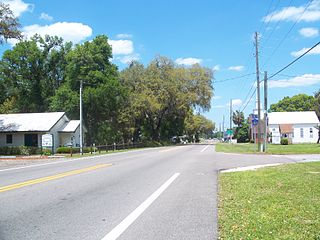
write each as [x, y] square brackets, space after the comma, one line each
[21, 150]
[67, 150]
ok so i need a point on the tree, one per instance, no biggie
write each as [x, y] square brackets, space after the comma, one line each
[9, 25]
[103, 95]
[162, 94]
[300, 102]
[198, 126]
[242, 132]
[32, 71]
[238, 118]
[317, 103]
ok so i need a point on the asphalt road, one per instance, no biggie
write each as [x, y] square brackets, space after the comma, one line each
[163, 193]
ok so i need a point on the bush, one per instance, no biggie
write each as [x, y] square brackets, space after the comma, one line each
[67, 150]
[46, 151]
[21, 150]
[284, 141]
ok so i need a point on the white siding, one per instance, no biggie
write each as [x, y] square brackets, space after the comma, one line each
[274, 129]
[65, 138]
[55, 129]
[306, 133]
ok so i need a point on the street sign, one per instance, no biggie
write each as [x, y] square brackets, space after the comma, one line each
[47, 140]
[230, 132]
[255, 121]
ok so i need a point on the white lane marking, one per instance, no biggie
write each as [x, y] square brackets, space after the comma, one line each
[121, 227]
[72, 160]
[251, 168]
[205, 148]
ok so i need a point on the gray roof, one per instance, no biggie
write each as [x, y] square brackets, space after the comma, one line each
[29, 122]
[71, 126]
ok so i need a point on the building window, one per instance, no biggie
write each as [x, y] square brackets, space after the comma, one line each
[9, 138]
[301, 132]
[311, 132]
[273, 129]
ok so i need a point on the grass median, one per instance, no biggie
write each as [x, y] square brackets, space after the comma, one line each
[272, 203]
[307, 148]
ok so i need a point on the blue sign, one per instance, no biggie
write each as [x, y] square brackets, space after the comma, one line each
[255, 121]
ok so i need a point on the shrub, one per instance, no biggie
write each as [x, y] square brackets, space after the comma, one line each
[284, 141]
[67, 150]
[46, 151]
[21, 150]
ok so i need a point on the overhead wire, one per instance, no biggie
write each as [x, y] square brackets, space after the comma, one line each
[287, 34]
[298, 58]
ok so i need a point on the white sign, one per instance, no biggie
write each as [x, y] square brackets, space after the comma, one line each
[47, 140]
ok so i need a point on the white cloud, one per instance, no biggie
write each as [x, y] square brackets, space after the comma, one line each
[121, 47]
[299, 81]
[69, 31]
[128, 58]
[188, 61]
[124, 35]
[236, 68]
[46, 17]
[216, 68]
[236, 102]
[219, 106]
[296, 13]
[314, 51]
[309, 32]
[18, 6]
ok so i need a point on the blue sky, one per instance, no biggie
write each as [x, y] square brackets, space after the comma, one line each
[216, 34]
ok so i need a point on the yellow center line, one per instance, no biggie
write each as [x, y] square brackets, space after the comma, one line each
[53, 177]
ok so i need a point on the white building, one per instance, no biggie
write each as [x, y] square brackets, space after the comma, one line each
[297, 127]
[26, 129]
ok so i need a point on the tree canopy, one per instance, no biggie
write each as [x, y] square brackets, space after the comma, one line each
[9, 24]
[300, 102]
[152, 102]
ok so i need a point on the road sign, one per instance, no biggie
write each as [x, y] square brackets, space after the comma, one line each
[47, 140]
[230, 132]
[255, 121]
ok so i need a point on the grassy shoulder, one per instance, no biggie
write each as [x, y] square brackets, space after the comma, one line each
[273, 203]
[306, 148]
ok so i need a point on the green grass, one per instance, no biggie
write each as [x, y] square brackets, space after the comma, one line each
[306, 148]
[273, 203]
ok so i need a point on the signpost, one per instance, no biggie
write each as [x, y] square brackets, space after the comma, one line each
[47, 141]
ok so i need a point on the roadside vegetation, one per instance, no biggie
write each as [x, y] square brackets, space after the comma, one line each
[307, 148]
[273, 203]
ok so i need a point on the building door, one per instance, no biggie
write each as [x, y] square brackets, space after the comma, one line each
[31, 140]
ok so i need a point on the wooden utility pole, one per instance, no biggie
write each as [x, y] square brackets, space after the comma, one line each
[258, 92]
[265, 88]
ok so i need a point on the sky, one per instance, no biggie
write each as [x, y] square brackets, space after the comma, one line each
[216, 34]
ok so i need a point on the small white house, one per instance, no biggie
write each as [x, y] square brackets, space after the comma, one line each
[297, 127]
[26, 129]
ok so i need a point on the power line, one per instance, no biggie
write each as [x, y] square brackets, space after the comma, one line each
[249, 100]
[306, 52]
[287, 34]
[234, 78]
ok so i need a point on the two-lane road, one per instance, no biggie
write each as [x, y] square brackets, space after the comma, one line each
[162, 193]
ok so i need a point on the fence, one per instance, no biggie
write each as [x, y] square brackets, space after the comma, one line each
[115, 146]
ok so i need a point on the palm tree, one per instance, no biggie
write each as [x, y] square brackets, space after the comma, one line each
[238, 118]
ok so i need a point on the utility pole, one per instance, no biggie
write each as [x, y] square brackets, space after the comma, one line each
[81, 126]
[265, 88]
[258, 92]
[230, 114]
[223, 127]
